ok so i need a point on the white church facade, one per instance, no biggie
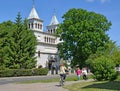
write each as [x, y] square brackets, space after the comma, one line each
[46, 49]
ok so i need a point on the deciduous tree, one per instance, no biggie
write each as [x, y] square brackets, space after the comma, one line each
[82, 34]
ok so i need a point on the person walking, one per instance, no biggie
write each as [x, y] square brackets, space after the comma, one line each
[62, 71]
[78, 72]
[84, 73]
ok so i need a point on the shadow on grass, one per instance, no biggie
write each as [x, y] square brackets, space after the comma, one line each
[111, 85]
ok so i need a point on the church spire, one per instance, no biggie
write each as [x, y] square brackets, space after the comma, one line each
[34, 22]
[54, 20]
[51, 28]
[33, 2]
[33, 13]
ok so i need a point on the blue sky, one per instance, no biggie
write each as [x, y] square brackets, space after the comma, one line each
[45, 8]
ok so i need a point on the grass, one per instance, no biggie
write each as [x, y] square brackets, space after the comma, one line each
[73, 78]
[95, 86]
[39, 81]
[83, 86]
[68, 78]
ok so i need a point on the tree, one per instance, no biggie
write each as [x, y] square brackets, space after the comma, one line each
[112, 51]
[5, 36]
[82, 34]
[104, 68]
[21, 46]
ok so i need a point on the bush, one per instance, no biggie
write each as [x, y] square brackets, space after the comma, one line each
[40, 71]
[104, 69]
[6, 73]
[23, 72]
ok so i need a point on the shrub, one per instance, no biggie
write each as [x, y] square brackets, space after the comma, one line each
[23, 72]
[6, 73]
[104, 69]
[40, 71]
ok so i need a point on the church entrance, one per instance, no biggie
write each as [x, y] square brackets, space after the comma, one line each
[52, 66]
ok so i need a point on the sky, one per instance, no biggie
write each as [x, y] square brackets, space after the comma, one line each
[46, 8]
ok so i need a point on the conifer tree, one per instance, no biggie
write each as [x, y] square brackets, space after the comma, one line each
[21, 45]
[5, 36]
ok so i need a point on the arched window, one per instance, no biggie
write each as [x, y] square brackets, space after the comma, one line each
[53, 30]
[40, 26]
[48, 31]
[39, 53]
[45, 39]
[32, 25]
[49, 40]
[35, 25]
[29, 25]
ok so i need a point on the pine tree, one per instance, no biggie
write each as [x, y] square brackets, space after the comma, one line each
[5, 36]
[20, 46]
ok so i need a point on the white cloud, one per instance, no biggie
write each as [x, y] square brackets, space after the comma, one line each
[101, 1]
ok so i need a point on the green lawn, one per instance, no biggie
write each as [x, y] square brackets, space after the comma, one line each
[68, 78]
[84, 86]
[95, 86]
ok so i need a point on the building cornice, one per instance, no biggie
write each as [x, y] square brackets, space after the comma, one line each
[48, 44]
[44, 33]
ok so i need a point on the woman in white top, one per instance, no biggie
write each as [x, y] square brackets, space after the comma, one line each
[84, 73]
[62, 71]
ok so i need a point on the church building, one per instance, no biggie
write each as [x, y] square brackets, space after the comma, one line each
[46, 49]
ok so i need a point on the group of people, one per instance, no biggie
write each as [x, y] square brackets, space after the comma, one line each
[82, 72]
[79, 72]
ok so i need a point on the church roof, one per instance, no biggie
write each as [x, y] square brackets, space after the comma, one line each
[33, 14]
[54, 20]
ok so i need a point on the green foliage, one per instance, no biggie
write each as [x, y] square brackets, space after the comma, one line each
[6, 29]
[6, 73]
[112, 51]
[22, 72]
[104, 68]
[82, 33]
[17, 48]
[40, 71]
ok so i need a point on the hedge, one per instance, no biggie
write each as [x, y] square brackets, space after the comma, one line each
[23, 72]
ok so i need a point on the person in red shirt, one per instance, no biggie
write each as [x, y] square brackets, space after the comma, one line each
[78, 72]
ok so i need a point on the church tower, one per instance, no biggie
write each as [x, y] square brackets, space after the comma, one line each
[51, 28]
[46, 48]
[34, 22]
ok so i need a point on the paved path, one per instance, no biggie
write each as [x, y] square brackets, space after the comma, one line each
[7, 80]
[9, 84]
[54, 86]
[32, 87]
